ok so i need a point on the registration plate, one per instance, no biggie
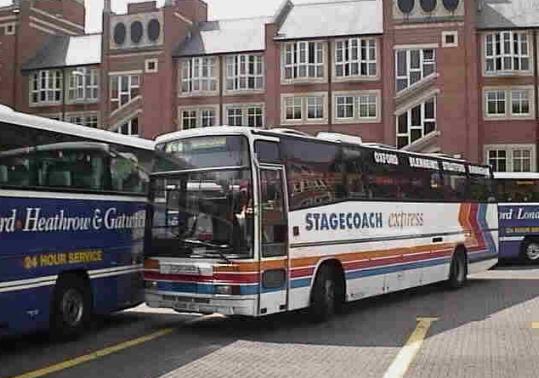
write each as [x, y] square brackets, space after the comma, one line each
[179, 269]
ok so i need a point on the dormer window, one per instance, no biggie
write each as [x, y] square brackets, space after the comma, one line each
[507, 52]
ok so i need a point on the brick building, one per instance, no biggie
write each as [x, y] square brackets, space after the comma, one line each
[452, 76]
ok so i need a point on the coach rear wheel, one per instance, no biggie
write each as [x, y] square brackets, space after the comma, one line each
[530, 252]
[458, 273]
[324, 295]
[71, 307]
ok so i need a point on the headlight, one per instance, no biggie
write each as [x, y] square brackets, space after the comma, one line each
[150, 284]
[223, 289]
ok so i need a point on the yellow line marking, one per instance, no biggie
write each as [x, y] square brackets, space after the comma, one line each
[406, 355]
[94, 355]
[535, 325]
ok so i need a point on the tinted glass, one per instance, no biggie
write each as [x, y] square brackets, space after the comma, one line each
[314, 172]
[203, 152]
[267, 152]
[517, 190]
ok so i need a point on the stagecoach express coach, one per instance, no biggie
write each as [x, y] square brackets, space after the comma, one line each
[255, 222]
[72, 216]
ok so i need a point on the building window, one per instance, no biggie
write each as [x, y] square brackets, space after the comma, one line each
[413, 66]
[450, 39]
[151, 65]
[520, 102]
[356, 107]
[198, 117]
[507, 51]
[416, 123]
[506, 103]
[129, 128]
[294, 108]
[123, 89]
[315, 107]
[495, 103]
[303, 60]
[46, 87]
[199, 75]
[355, 57]
[245, 115]
[244, 72]
[83, 84]
[511, 158]
[88, 119]
[498, 160]
[10, 29]
[306, 108]
[345, 107]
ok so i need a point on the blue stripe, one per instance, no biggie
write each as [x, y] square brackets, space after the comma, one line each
[300, 282]
[487, 235]
[396, 268]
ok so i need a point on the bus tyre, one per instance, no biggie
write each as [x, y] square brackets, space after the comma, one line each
[323, 295]
[71, 307]
[458, 273]
[530, 252]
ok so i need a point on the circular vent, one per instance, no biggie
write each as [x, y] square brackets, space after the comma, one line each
[451, 5]
[119, 34]
[428, 5]
[406, 6]
[136, 31]
[154, 29]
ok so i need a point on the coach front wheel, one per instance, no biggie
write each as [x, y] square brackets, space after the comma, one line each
[71, 306]
[323, 295]
[458, 273]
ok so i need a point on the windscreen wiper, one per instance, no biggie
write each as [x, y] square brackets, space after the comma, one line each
[218, 247]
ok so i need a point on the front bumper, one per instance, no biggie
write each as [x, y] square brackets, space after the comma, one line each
[203, 304]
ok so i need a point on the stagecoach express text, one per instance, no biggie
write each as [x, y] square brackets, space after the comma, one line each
[362, 220]
[34, 219]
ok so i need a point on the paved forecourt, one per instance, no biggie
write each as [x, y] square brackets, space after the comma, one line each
[490, 328]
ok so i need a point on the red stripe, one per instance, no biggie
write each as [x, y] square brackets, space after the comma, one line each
[396, 260]
[218, 277]
[302, 272]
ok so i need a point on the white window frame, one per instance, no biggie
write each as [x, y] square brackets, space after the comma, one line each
[510, 150]
[358, 98]
[454, 34]
[238, 74]
[510, 94]
[423, 121]
[133, 83]
[243, 113]
[297, 54]
[10, 29]
[303, 101]
[356, 56]
[147, 67]
[85, 118]
[53, 84]
[196, 73]
[200, 115]
[83, 85]
[507, 53]
[423, 64]
[129, 124]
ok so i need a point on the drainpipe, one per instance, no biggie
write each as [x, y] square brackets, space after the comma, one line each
[536, 91]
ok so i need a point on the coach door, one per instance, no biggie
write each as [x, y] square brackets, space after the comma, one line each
[273, 245]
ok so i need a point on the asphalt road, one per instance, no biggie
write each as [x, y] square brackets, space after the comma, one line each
[490, 328]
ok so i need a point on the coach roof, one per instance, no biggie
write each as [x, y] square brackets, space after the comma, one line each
[47, 124]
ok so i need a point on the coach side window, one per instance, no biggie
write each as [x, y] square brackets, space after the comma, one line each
[126, 176]
[71, 168]
[355, 178]
[314, 172]
[480, 189]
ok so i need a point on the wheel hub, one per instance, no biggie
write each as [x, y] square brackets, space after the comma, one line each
[72, 307]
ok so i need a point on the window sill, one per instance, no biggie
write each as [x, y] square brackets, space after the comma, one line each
[528, 117]
[304, 81]
[355, 121]
[244, 92]
[45, 104]
[198, 94]
[508, 74]
[354, 79]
